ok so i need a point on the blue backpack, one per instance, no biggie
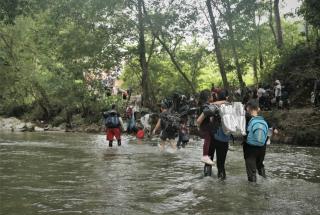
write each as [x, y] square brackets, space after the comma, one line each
[112, 121]
[221, 136]
[257, 131]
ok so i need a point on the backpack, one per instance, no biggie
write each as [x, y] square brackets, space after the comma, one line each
[171, 122]
[112, 121]
[221, 136]
[233, 120]
[257, 131]
[129, 112]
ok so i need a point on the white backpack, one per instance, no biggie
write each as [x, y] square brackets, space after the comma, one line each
[233, 118]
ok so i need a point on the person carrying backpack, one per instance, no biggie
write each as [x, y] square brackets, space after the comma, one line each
[113, 124]
[220, 139]
[169, 125]
[254, 145]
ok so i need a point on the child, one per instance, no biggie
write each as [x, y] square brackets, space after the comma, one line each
[113, 123]
[206, 125]
[254, 146]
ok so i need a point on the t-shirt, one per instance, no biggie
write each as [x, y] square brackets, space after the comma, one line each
[261, 92]
[277, 91]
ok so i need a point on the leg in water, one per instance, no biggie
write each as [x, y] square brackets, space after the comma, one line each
[207, 167]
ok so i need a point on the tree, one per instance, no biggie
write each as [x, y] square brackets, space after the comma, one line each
[228, 16]
[217, 45]
[170, 18]
[10, 9]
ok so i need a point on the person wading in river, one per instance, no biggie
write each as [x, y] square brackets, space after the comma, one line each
[254, 145]
[113, 124]
[169, 125]
[221, 140]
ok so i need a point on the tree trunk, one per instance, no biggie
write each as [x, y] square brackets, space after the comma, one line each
[278, 24]
[257, 26]
[271, 23]
[259, 54]
[142, 56]
[307, 32]
[255, 70]
[233, 44]
[217, 46]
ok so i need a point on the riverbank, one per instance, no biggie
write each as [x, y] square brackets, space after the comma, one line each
[296, 127]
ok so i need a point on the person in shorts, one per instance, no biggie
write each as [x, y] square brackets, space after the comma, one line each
[113, 124]
[167, 134]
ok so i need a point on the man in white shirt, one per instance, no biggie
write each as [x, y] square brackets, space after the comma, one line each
[277, 92]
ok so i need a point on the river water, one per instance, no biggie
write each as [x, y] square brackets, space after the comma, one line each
[68, 173]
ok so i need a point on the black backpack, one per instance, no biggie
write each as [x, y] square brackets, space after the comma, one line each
[171, 122]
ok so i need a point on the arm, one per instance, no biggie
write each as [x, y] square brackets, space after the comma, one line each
[157, 127]
[121, 123]
[200, 119]
[219, 102]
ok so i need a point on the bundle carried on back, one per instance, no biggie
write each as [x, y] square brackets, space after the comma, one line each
[232, 117]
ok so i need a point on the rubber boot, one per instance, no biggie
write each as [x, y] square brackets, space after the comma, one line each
[183, 144]
[262, 172]
[110, 143]
[252, 178]
[222, 175]
[119, 142]
[207, 170]
[178, 144]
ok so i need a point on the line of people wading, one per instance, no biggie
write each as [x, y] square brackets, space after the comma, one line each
[217, 121]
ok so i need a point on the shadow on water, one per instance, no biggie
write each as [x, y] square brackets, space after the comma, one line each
[58, 173]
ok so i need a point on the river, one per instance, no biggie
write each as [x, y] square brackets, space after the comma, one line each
[72, 173]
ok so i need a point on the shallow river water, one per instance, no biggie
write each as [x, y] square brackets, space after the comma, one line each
[68, 173]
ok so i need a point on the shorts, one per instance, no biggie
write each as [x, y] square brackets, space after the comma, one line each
[164, 135]
[113, 132]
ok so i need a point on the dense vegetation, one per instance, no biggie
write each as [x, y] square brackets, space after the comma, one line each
[162, 47]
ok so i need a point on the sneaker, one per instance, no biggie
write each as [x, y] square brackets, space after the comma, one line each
[207, 160]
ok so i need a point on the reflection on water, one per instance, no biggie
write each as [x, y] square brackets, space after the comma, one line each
[57, 173]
